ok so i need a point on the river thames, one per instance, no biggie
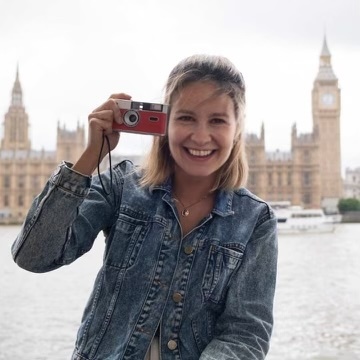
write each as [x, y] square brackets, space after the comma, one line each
[317, 303]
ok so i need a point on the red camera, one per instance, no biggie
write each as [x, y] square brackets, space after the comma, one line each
[142, 117]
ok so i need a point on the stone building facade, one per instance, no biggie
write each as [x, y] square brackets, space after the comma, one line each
[309, 175]
[23, 170]
[352, 183]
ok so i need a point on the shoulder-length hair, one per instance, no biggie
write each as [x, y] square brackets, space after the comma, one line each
[159, 164]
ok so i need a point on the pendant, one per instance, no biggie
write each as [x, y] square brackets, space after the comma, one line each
[185, 212]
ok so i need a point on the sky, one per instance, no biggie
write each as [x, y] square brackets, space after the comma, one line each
[73, 54]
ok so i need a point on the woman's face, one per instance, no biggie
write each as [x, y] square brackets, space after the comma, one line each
[201, 131]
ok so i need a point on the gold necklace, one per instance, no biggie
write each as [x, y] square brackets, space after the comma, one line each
[186, 211]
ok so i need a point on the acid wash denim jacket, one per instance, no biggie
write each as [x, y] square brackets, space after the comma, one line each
[209, 294]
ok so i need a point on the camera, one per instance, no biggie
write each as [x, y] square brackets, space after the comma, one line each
[142, 117]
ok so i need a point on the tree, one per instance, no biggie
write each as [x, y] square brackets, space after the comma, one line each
[350, 204]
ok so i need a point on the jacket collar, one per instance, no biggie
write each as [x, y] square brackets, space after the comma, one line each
[223, 200]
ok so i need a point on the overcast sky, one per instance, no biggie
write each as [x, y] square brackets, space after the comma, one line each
[73, 54]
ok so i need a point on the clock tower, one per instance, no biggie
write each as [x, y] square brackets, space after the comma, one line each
[16, 123]
[326, 107]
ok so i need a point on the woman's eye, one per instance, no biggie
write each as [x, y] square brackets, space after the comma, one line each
[218, 121]
[185, 118]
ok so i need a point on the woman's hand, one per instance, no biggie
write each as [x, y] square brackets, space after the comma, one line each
[100, 123]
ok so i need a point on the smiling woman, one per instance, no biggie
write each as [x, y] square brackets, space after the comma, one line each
[185, 241]
[202, 130]
[224, 87]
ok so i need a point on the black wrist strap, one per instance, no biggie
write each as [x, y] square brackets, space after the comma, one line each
[99, 161]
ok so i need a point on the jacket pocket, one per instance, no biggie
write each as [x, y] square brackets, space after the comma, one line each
[125, 241]
[221, 264]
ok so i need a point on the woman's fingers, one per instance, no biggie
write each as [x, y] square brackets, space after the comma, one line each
[112, 106]
[120, 96]
[101, 121]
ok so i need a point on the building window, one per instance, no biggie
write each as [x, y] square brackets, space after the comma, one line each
[22, 134]
[21, 200]
[279, 179]
[270, 179]
[36, 182]
[13, 127]
[307, 199]
[289, 179]
[306, 156]
[307, 179]
[6, 201]
[7, 181]
[21, 181]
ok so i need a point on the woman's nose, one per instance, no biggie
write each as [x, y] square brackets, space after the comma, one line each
[201, 134]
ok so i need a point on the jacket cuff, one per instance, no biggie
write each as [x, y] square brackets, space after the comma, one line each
[69, 180]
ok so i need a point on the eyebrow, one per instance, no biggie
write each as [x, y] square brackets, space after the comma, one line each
[215, 114]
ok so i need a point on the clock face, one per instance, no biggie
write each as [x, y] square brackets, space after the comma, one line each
[327, 99]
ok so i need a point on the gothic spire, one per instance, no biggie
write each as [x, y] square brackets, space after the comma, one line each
[325, 69]
[325, 50]
[16, 95]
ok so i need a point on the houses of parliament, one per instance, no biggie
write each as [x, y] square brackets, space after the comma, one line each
[308, 175]
[23, 170]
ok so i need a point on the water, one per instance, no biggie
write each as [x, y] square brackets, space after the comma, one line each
[317, 304]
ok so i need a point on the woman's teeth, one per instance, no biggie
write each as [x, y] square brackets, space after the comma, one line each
[200, 152]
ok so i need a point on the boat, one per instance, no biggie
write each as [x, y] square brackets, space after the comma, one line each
[333, 218]
[296, 220]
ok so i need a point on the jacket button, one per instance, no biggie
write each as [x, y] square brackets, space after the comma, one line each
[177, 297]
[188, 250]
[172, 345]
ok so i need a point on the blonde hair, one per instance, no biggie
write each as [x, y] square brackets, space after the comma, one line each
[159, 164]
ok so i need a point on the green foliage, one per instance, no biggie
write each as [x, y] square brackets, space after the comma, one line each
[350, 204]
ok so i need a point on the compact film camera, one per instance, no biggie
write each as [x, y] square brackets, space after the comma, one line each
[141, 117]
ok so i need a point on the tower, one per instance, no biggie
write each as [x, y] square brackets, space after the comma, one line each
[70, 144]
[23, 170]
[16, 122]
[326, 106]
[310, 174]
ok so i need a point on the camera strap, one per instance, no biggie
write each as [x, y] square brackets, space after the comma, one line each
[99, 161]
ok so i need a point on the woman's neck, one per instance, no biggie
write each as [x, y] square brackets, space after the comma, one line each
[189, 188]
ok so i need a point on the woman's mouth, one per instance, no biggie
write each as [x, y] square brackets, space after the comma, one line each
[199, 153]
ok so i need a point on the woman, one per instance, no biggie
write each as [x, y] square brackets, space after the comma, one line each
[190, 260]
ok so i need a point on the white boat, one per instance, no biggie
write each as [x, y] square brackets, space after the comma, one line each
[333, 218]
[294, 219]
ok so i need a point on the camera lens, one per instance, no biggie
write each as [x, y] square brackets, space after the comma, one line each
[131, 118]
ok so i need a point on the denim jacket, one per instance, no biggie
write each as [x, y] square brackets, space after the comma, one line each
[210, 293]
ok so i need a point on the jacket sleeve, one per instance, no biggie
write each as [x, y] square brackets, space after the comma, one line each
[244, 328]
[64, 220]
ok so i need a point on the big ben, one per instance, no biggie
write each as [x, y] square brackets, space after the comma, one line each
[309, 175]
[326, 106]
